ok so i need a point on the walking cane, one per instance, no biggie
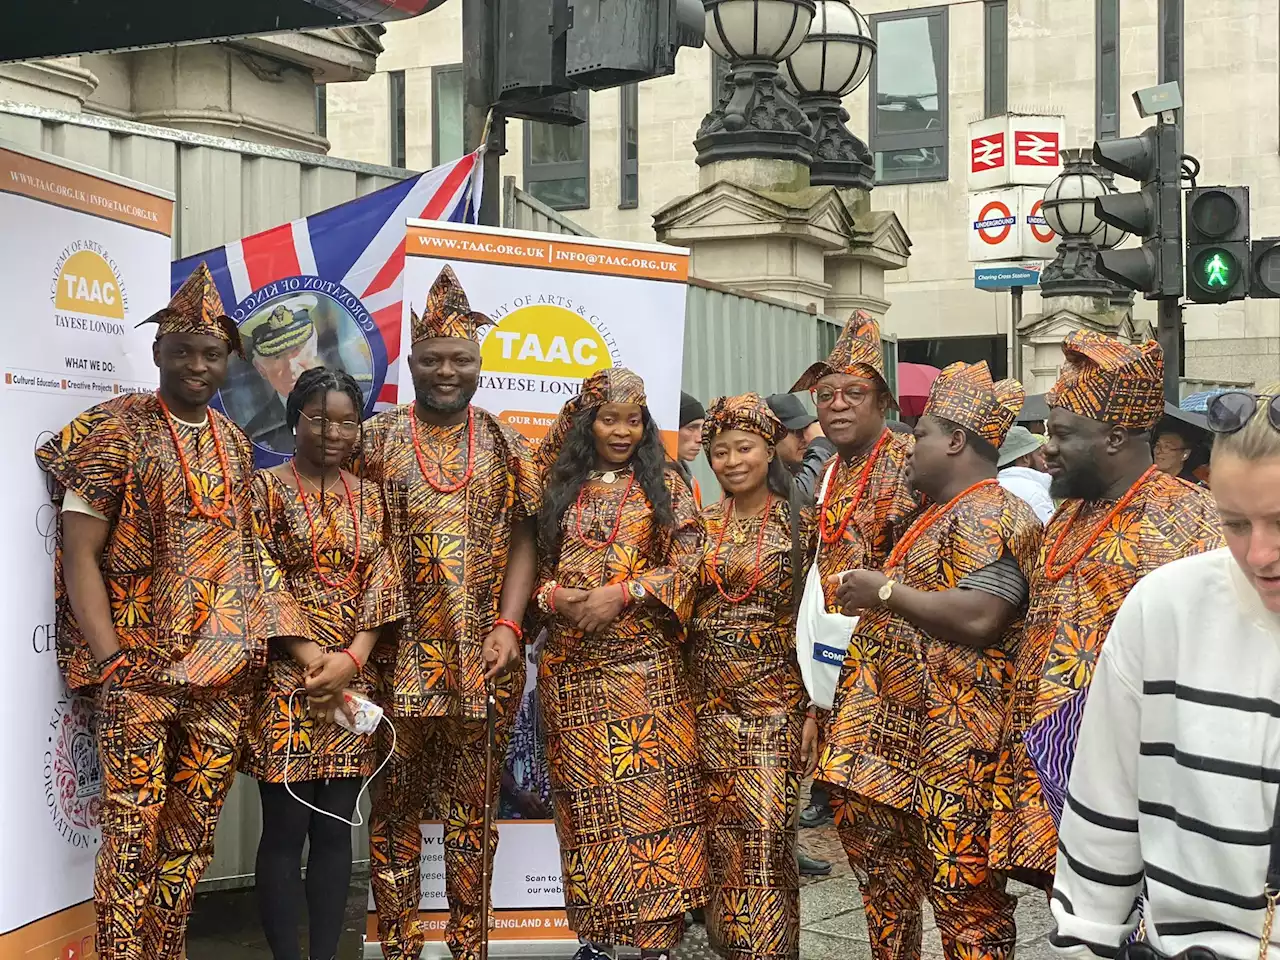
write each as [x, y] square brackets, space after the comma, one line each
[490, 709]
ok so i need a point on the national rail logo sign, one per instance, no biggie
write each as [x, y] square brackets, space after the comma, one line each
[1039, 226]
[994, 223]
[1035, 148]
[86, 290]
[987, 153]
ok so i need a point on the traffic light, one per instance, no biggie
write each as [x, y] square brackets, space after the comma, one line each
[1153, 213]
[1218, 263]
[1264, 280]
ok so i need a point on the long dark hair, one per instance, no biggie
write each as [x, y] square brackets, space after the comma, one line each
[574, 465]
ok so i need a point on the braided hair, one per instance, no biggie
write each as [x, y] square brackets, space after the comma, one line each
[319, 381]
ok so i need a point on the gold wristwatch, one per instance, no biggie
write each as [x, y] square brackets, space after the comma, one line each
[885, 592]
[636, 589]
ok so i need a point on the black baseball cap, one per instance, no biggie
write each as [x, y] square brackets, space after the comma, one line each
[787, 408]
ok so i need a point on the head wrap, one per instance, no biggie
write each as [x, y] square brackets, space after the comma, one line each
[746, 412]
[197, 309]
[1110, 381]
[857, 353]
[965, 394]
[448, 313]
[283, 330]
[610, 385]
[691, 409]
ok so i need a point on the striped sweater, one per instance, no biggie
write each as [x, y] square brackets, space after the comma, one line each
[1176, 771]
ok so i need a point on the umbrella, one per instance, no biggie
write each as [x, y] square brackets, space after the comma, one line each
[914, 381]
[1033, 409]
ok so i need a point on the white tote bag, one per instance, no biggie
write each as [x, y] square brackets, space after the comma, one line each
[822, 639]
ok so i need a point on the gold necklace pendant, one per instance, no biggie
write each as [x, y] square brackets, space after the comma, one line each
[738, 536]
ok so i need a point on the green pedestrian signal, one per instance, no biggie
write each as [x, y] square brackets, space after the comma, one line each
[1215, 270]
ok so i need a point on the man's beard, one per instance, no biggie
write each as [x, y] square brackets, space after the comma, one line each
[455, 406]
[1081, 482]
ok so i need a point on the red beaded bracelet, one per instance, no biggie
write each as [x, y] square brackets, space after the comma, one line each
[626, 595]
[355, 660]
[512, 626]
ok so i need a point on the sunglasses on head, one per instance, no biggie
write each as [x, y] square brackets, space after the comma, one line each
[1229, 412]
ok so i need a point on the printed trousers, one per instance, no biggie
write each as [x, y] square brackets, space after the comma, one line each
[889, 851]
[168, 760]
[436, 773]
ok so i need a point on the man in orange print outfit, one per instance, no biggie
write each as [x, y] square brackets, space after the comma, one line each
[461, 493]
[165, 603]
[1120, 519]
[916, 724]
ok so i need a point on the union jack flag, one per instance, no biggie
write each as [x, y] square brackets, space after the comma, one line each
[326, 288]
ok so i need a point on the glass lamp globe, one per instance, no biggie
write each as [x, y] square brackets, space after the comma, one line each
[1068, 203]
[757, 29]
[836, 55]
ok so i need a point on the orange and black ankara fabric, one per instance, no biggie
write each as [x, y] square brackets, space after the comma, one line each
[197, 308]
[965, 394]
[916, 721]
[858, 352]
[372, 597]
[878, 513]
[193, 599]
[168, 761]
[610, 385]
[746, 412]
[447, 313]
[1110, 381]
[451, 547]
[750, 702]
[1068, 619]
[621, 747]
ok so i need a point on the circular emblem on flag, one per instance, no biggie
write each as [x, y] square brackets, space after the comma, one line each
[1039, 227]
[289, 326]
[994, 222]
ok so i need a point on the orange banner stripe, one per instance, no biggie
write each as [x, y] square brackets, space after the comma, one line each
[551, 924]
[67, 933]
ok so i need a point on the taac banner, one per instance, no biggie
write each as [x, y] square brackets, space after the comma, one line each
[325, 289]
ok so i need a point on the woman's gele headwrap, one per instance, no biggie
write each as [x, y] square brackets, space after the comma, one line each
[747, 412]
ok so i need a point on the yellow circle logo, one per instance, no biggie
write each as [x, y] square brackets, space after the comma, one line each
[545, 340]
[86, 284]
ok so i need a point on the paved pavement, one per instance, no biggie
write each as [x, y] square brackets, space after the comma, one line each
[225, 925]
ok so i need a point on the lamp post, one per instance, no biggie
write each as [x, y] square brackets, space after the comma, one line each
[832, 61]
[756, 116]
[1068, 210]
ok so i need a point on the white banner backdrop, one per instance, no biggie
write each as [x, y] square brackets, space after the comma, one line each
[84, 256]
[565, 307]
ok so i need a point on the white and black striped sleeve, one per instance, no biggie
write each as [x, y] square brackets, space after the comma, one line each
[1099, 873]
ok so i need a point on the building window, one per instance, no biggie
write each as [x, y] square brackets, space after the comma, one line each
[719, 70]
[557, 162]
[909, 96]
[322, 110]
[995, 61]
[395, 82]
[629, 197]
[1108, 70]
[447, 142]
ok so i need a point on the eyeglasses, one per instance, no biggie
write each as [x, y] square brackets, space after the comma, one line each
[1229, 412]
[343, 428]
[825, 396]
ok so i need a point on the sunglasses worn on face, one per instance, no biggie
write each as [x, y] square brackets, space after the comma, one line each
[824, 396]
[1229, 412]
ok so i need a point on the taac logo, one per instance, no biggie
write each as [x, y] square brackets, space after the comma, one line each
[86, 284]
[545, 340]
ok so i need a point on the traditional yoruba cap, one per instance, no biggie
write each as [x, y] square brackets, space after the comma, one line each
[691, 409]
[790, 411]
[965, 394]
[745, 412]
[283, 330]
[1018, 443]
[610, 385]
[857, 352]
[1110, 381]
[448, 313]
[197, 309]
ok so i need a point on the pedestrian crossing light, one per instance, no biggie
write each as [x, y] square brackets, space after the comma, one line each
[1215, 270]
[1217, 244]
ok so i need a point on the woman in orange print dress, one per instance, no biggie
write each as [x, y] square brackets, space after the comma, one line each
[323, 529]
[756, 732]
[620, 544]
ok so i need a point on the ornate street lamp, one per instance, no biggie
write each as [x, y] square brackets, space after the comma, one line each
[1068, 210]
[756, 116]
[833, 60]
